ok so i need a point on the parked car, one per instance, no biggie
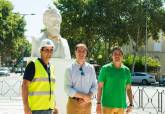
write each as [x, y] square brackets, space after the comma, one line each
[4, 71]
[19, 70]
[143, 78]
[162, 82]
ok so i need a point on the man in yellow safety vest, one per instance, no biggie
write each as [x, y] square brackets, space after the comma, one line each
[38, 83]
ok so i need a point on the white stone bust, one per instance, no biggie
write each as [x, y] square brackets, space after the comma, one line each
[52, 20]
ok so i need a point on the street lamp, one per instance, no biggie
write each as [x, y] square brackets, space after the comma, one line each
[25, 14]
[146, 31]
[24, 48]
[146, 45]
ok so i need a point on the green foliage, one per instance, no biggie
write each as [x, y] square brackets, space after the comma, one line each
[142, 14]
[21, 48]
[78, 23]
[101, 24]
[152, 63]
[5, 8]
[12, 29]
[91, 22]
[12, 25]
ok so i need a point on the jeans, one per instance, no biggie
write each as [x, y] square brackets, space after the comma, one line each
[42, 112]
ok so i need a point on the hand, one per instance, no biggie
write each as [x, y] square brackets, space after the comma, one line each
[83, 98]
[98, 109]
[27, 110]
[129, 109]
[87, 98]
[55, 111]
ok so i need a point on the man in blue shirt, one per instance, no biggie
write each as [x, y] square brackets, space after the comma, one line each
[80, 83]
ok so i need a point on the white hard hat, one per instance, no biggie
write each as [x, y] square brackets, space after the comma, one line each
[46, 43]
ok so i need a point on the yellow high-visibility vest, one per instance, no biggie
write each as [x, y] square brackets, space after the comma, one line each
[41, 92]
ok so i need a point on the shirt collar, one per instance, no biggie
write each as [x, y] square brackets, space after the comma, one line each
[77, 64]
[43, 62]
[115, 67]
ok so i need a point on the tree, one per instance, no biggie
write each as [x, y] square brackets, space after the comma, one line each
[22, 48]
[94, 21]
[112, 15]
[111, 22]
[78, 23]
[11, 28]
[144, 15]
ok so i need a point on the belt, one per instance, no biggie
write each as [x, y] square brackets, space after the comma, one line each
[75, 98]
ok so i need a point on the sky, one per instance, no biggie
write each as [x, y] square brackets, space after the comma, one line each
[34, 23]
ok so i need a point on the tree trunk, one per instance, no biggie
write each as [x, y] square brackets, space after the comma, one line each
[135, 48]
[106, 51]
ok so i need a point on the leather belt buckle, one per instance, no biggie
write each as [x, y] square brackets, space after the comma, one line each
[76, 98]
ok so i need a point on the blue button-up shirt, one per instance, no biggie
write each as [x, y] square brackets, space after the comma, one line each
[76, 81]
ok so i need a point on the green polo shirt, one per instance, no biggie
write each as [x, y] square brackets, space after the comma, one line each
[114, 89]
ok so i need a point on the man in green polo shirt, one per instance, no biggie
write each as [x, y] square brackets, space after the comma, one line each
[114, 82]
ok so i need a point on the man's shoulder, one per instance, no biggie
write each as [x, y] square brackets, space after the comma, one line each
[31, 62]
[69, 67]
[107, 65]
[88, 64]
[125, 67]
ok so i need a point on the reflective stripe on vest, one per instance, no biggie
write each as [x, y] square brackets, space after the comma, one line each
[40, 93]
[42, 80]
[40, 97]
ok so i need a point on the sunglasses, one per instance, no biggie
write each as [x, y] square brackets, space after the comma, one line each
[81, 71]
[47, 50]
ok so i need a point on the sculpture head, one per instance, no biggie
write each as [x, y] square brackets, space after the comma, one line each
[52, 20]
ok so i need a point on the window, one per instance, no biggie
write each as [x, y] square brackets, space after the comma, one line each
[139, 74]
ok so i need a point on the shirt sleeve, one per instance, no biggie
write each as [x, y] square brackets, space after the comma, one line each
[94, 82]
[129, 80]
[29, 71]
[68, 87]
[102, 75]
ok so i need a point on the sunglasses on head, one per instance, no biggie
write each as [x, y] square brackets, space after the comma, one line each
[81, 71]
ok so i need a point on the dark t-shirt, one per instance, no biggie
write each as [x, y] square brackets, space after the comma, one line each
[30, 70]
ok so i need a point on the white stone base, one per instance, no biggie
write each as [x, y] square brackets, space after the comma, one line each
[61, 97]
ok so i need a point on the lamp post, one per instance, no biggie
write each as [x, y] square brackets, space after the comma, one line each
[24, 49]
[21, 62]
[146, 31]
[25, 14]
[146, 46]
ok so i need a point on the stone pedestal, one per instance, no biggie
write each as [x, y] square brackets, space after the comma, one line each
[61, 97]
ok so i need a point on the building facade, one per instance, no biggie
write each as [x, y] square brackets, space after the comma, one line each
[155, 49]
